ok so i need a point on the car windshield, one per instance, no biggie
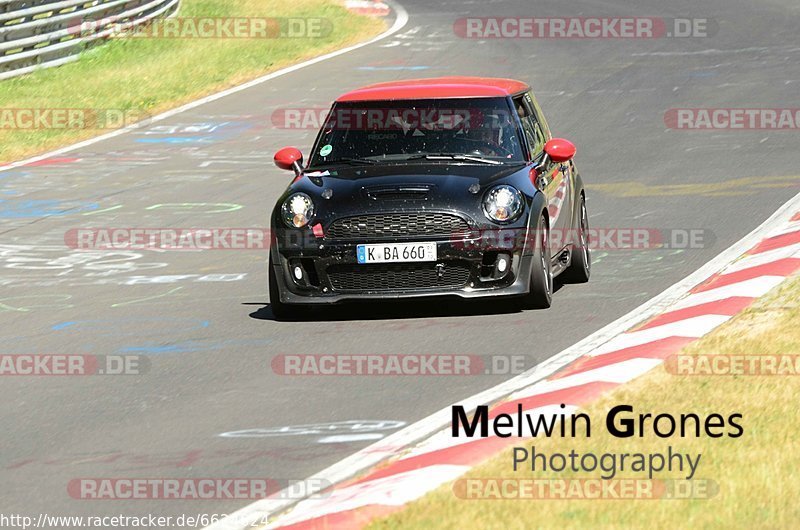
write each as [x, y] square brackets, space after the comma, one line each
[473, 131]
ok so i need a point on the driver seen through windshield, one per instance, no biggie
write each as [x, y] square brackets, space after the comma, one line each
[397, 131]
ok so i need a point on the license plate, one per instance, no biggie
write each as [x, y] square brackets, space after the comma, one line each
[396, 252]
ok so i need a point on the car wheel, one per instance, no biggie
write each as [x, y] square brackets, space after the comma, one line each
[280, 310]
[580, 267]
[540, 295]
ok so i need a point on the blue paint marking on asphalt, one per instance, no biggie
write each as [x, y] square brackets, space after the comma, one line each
[151, 328]
[9, 176]
[24, 209]
[212, 132]
[184, 347]
[116, 326]
[190, 346]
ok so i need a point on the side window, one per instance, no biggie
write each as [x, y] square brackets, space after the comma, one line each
[527, 125]
[540, 119]
[540, 138]
[533, 131]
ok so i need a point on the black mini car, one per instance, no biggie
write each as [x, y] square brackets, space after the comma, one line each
[431, 187]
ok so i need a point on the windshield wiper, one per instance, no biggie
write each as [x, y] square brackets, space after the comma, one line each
[451, 156]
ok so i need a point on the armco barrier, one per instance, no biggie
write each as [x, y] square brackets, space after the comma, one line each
[43, 33]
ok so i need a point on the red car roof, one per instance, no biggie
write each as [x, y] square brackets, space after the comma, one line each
[437, 88]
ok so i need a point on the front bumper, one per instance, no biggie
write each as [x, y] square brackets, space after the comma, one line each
[465, 268]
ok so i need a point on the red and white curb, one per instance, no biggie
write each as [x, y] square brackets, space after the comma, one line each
[424, 456]
[374, 8]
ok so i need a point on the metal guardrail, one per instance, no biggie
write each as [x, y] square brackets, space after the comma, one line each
[44, 33]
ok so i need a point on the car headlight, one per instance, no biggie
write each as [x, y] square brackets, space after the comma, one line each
[297, 210]
[502, 204]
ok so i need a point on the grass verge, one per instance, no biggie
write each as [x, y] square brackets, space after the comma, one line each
[145, 76]
[755, 473]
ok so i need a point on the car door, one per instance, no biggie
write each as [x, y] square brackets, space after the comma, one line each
[568, 206]
[552, 178]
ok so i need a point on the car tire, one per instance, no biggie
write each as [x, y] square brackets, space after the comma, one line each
[280, 310]
[580, 267]
[540, 295]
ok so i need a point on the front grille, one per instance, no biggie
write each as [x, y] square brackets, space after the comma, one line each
[397, 225]
[399, 276]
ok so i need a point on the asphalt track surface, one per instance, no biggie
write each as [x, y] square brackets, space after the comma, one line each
[210, 342]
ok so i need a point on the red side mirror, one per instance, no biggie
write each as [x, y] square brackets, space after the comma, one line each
[560, 150]
[289, 158]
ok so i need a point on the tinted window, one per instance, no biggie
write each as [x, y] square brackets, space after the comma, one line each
[395, 131]
[533, 131]
[540, 119]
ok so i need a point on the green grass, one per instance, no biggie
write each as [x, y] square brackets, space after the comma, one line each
[756, 473]
[149, 75]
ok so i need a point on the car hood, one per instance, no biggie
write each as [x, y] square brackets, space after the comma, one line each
[361, 189]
